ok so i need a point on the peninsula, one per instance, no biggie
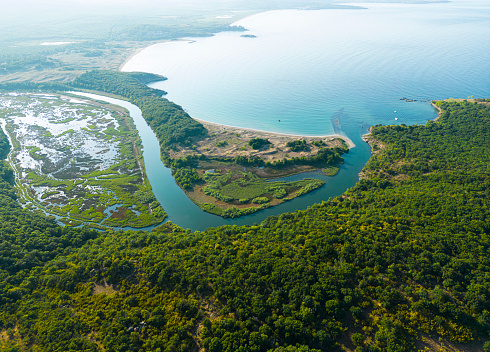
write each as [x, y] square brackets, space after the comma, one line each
[224, 170]
[397, 262]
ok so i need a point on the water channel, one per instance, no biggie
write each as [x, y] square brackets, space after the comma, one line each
[183, 212]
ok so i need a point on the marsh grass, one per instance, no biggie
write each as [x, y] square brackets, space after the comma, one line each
[85, 196]
[241, 193]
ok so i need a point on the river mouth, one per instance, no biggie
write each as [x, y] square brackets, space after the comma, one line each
[67, 190]
[183, 212]
[379, 65]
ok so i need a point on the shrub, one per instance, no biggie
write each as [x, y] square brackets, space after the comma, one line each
[297, 145]
[260, 200]
[258, 143]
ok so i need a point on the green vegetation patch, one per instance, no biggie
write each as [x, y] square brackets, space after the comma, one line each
[320, 143]
[49, 194]
[297, 145]
[247, 189]
[33, 153]
[257, 143]
[63, 187]
[63, 121]
[71, 222]
[260, 200]
[239, 189]
[70, 131]
[331, 170]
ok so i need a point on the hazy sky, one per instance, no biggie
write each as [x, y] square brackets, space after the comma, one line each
[31, 19]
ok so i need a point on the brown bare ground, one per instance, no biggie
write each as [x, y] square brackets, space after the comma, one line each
[119, 214]
[428, 343]
[265, 172]
[104, 288]
[237, 143]
[470, 101]
[4, 335]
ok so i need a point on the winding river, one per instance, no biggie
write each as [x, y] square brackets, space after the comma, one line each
[183, 212]
[317, 73]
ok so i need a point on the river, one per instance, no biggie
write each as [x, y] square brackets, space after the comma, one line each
[183, 212]
[316, 73]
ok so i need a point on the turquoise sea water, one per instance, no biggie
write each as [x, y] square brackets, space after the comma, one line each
[322, 72]
[306, 66]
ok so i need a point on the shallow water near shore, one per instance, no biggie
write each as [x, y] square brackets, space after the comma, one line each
[183, 212]
[323, 72]
[304, 67]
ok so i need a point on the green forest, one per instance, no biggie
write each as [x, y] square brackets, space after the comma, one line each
[170, 122]
[400, 262]
[175, 130]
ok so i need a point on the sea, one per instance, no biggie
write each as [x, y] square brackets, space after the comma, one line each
[321, 72]
[307, 71]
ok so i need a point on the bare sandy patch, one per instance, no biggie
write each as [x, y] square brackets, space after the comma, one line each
[229, 142]
[104, 288]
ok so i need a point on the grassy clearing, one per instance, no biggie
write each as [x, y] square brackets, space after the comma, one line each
[71, 222]
[236, 193]
[331, 170]
[63, 121]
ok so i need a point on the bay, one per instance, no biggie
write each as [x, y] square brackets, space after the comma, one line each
[306, 66]
[322, 72]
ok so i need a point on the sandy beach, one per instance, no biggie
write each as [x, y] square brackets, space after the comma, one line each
[146, 46]
[211, 126]
[130, 57]
[224, 141]
[230, 141]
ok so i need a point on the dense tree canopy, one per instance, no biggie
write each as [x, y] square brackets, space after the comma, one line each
[399, 259]
[169, 121]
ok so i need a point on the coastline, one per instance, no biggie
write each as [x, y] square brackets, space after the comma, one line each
[438, 109]
[130, 57]
[146, 46]
[234, 129]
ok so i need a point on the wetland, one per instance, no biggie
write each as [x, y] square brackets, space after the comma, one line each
[79, 160]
